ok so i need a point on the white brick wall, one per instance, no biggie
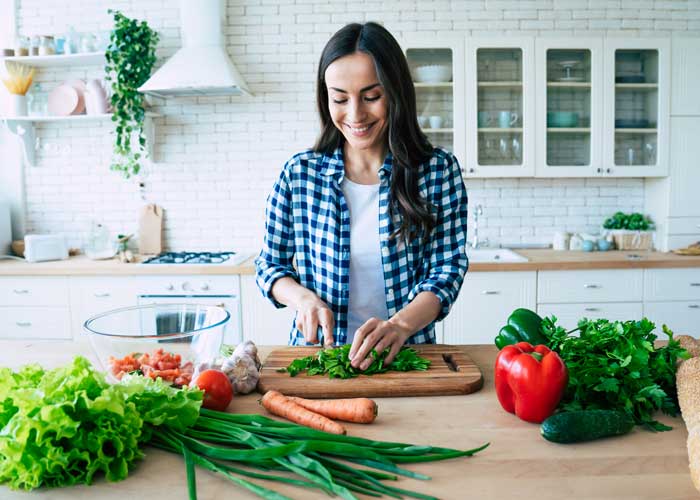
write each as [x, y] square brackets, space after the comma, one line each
[218, 157]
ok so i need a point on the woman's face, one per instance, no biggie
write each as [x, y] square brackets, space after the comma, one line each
[357, 101]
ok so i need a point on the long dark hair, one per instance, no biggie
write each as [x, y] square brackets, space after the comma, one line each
[408, 145]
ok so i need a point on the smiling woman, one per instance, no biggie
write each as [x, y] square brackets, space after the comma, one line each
[373, 216]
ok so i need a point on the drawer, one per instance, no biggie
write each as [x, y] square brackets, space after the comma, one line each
[684, 225]
[31, 291]
[681, 317]
[51, 323]
[590, 286]
[568, 315]
[672, 284]
[91, 296]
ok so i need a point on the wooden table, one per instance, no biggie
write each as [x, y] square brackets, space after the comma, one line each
[518, 464]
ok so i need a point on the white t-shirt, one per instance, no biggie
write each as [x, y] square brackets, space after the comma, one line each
[367, 295]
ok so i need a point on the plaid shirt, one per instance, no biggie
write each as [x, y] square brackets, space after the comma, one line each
[308, 220]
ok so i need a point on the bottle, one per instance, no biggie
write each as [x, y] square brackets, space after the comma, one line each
[576, 242]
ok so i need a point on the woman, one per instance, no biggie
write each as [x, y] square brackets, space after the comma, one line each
[373, 214]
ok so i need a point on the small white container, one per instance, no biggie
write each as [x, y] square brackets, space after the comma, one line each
[560, 241]
[18, 105]
[436, 121]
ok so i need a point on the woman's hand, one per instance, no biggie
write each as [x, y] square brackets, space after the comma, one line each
[377, 334]
[312, 313]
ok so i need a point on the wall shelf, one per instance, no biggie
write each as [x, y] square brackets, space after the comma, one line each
[85, 59]
[438, 130]
[438, 85]
[499, 130]
[24, 128]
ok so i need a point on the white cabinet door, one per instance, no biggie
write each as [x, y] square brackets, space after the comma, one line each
[262, 322]
[609, 285]
[685, 171]
[484, 304]
[683, 318]
[568, 315]
[97, 294]
[671, 284]
[686, 75]
[569, 79]
[34, 291]
[37, 323]
[500, 107]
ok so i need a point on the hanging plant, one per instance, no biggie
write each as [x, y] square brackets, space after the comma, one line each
[130, 58]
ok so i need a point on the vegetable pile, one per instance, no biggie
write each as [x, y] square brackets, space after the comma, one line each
[614, 365]
[634, 221]
[336, 363]
[64, 426]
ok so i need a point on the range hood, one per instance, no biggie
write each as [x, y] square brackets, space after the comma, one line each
[201, 67]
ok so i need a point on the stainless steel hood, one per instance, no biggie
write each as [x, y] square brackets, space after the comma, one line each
[201, 67]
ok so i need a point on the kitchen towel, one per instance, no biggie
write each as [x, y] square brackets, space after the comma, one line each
[151, 229]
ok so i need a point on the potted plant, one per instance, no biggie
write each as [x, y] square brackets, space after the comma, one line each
[631, 231]
[130, 57]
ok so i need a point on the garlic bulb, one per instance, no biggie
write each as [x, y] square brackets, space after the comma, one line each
[242, 372]
[247, 348]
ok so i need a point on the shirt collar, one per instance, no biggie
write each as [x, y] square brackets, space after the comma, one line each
[335, 165]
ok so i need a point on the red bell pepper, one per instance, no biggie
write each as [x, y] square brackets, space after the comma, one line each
[530, 381]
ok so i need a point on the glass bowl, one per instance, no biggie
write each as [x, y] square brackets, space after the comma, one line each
[157, 340]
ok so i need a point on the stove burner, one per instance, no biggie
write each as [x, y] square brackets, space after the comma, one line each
[190, 258]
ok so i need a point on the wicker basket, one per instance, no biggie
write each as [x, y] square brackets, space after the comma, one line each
[633, 240]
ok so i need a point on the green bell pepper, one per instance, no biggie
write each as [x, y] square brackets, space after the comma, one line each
[523, 325]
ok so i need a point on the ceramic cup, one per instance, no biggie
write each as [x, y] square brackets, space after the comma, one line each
[435, 121]
[423, 121]
[507, 119]
[588, 245]
[483, 118]
[560, 241]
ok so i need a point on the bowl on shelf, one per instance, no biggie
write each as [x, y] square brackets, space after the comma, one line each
[432, 73]
[121, 337]
[562, 119]
[630, 123]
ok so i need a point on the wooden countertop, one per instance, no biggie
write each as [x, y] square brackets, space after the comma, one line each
[518, 463]
[538, 260]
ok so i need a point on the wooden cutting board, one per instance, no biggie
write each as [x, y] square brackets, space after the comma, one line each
[451, 372]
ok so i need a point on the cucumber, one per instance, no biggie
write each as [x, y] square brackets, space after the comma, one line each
[585, 425]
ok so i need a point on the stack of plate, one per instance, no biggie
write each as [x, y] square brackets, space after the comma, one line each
[68, 99]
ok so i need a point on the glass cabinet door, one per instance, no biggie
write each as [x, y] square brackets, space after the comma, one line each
[438, 82]
[568, 107]
[569, 90]
[500, 119]
[637, 107]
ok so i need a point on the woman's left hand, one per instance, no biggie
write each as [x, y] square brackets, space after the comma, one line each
[376, 334]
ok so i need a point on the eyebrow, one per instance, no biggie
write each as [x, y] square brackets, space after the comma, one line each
[365, 89]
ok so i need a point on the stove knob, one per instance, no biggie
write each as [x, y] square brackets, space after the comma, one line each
[170, 287]
[205, 287]
[186, 286]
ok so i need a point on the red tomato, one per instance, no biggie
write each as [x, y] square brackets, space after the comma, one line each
[217, 389]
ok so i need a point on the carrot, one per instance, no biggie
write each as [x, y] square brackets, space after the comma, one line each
[280, 405]
[358, 410]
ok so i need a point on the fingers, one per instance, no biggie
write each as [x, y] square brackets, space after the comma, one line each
[395, 348]
[365, 339]
[325, 319]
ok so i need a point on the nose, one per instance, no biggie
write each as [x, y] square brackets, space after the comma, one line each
[356, 111]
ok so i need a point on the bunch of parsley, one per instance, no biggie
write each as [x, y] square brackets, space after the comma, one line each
[614, 365]
[336, 362]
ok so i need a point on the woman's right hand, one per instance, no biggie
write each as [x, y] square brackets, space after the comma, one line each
[312, 313]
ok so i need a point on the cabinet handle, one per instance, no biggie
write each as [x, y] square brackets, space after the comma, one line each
[490, 292]
[694, 306]
[102, 295]
[599, 170]
[587, 285]
[471, 170]
[608, 170]
[21, 291]
[24, 324]
[695, 284]
[591, 309]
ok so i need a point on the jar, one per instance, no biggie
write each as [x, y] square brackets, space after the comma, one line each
[22, 46]
[46, 46]
[34, 46]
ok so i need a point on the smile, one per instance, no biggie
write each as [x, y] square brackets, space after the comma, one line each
[361, 131]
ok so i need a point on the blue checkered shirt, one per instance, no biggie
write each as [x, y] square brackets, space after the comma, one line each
[308, 221]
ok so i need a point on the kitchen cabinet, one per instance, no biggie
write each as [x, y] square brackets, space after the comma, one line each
[263, 323]
[34, 308]
[636, 103]
[672, 297]
[94, 295]
[569, 83]
[572, 295]
[672, 201]
[500, 114]
[484, 304]
[437, 68]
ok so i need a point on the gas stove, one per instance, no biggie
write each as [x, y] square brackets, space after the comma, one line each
[210, 258]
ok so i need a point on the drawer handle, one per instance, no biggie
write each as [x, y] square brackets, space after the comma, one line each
[490, 292]
[591, 309]
[587, 285]
[695, 284]
[24, 324]
[102, 295]
[694, 306]
[21, 291]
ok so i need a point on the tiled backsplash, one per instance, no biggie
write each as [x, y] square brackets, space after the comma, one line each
[216, 158]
